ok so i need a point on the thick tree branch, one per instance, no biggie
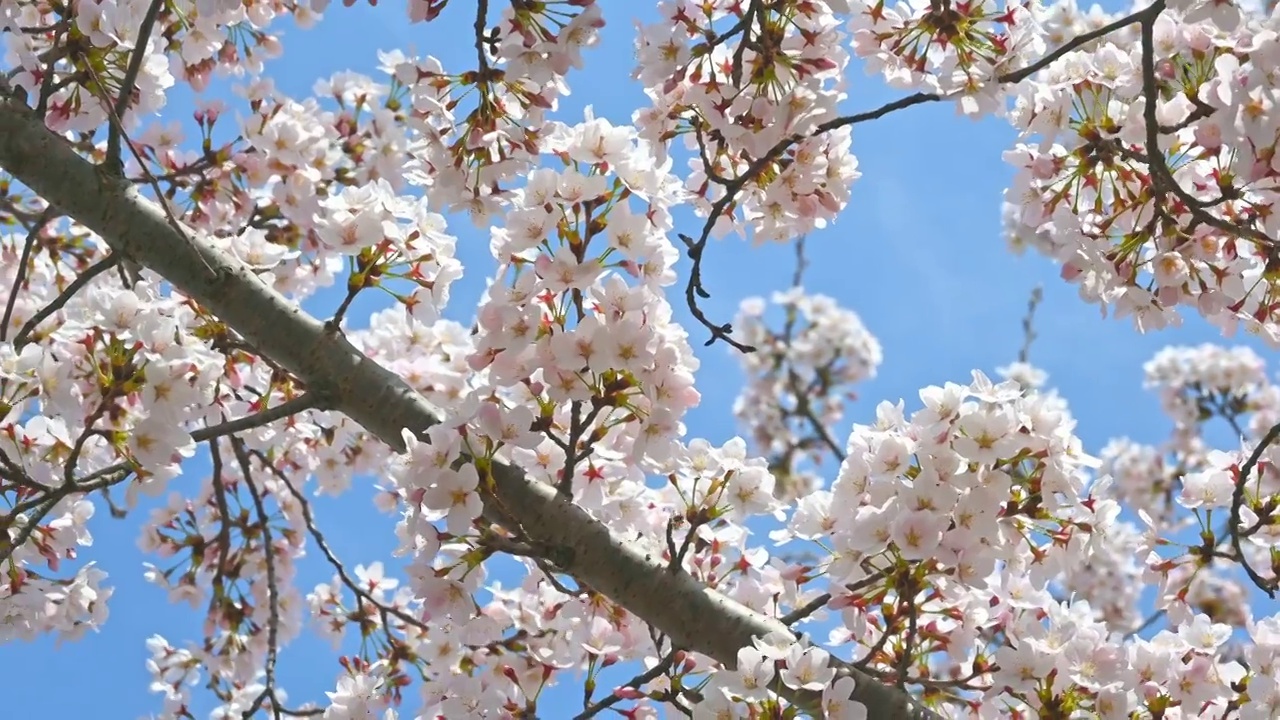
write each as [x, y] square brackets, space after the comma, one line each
[692, 615]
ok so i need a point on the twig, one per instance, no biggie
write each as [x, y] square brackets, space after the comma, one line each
[1237, 500]
[482, 14]
[1028, 327]
[549, 572]
[635, 683]
[273, 590]
[100, 480]
[104, 478]
[311, 712]
[24, 335]
[224, 528]
[805, 410]
[77, 447]
[694, 288]
[314, 530]
[821, 601]
[806, 610]
[676, 562]
[753, 13]
[802, 263]
[874, 650]
[576, 426]
[1017, 76]
[114, 131]
[46, 84]
[20, 275]
[310, 401]
[672, 563]
[1151, 620]
[904, 660]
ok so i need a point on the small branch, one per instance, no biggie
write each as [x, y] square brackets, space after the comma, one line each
[634, 683]
[115, 130]
[962, 682]
[224, 513]
[77, 447]
[874, 650]
[1151, 620]
[707, 166]
[24, 335]
[549, 572]
[21, 275]
[806, 610]
[1237, 501]
[805, 410]
[904, 660]
[694, 290]
[821, 601]
[1074, 43]
[1028, 327]
[753, 13]
[802, 263]
[310, 401]
[99, 480]
[309, 520]
[482, 14]
[576, 426]
[273, 590]
[46, 85]
[678, 556]
[311, 712]
[104, 478]
[672, 564]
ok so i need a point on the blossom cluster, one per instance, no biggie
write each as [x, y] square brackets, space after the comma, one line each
[962, 49]
[467, 162]
[1144, 166]
[566, 358]
[89, 398]
[751, 92]
[975, 516]
[800, 379]
[1181, 485]
[971, 547]
[1177, 214]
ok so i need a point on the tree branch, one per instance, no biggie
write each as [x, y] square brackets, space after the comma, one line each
[691, 614]
[694, 288]
[20, 276]
[126, 85]
[273, 588]
[1237, 502]
[24, 335]
[1028, 324]
[637, 682]
[267, 416]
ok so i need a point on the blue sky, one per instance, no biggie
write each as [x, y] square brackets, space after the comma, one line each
[918, 254]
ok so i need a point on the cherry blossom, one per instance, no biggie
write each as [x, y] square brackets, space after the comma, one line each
[963, 546]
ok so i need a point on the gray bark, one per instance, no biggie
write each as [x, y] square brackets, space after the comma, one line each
[693, 616]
